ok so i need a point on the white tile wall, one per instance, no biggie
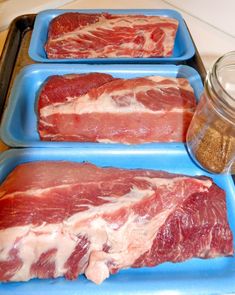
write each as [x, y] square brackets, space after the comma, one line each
[12, 8]
[220, 14]
[211, 42]
[211, 22]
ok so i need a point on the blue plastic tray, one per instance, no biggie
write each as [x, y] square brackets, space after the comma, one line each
[19, 123]
[183, 50]
[195, 276]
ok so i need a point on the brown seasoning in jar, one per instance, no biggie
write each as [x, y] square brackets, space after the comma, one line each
[211, 134]
[214, 149]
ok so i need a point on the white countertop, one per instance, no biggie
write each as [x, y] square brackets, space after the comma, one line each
[211, 39]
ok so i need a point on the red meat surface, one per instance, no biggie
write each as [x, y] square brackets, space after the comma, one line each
[81, 35]
[65, 219]
[99, 108]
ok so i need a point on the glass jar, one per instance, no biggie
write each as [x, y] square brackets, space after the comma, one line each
[211, 134]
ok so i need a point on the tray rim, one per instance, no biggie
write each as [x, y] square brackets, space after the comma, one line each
[8, 137]
[205, 280]
[188, 38]
[17, 28]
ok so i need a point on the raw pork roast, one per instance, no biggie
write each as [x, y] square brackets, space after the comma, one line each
[97, 107]
[81, 35]
[65, 219]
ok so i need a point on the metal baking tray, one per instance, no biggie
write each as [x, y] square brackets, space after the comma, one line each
[15, 56]
[194, 276]
[183, 47]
